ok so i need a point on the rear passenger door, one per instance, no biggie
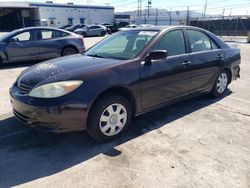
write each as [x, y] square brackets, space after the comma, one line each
[48, 44]
[206, 58]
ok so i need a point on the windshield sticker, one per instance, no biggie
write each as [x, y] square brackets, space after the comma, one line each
[149, 33]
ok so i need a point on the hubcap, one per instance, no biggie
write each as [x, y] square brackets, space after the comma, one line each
[222, 82]
[69, 51]
[113, 119]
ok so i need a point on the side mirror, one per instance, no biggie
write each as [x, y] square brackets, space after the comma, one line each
[12, 40]
[156, 55]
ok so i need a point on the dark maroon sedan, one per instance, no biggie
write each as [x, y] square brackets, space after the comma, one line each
[126, 74]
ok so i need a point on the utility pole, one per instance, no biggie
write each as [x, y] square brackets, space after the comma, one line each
[138, 9]
[230, 12]
[149, 5]
[236, 27]
[187, 21]
[156, 16]
[170, 16]
[205, 9]
[222, 21]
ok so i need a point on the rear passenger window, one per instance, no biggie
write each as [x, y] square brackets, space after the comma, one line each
[214, 45]
[49, 34]
[200, 42]
[173, 42]
[46, 34]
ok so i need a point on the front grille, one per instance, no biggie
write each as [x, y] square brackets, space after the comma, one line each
[24, 89]
[20, 116]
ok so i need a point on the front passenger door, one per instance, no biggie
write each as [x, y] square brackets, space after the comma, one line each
[168, 79]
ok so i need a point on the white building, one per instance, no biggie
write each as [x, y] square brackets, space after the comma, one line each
[23, 14]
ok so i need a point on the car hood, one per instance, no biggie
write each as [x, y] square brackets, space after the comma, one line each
[65, 68]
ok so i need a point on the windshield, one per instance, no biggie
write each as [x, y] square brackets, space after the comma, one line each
[122, 45]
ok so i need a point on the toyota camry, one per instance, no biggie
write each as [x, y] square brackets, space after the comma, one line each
[125, 75]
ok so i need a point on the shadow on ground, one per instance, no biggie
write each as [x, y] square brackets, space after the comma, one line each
[28, 155]
[18, 65]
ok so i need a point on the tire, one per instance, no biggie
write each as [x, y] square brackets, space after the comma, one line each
[109, 117]
[69, 51]
[84, 34]
[221, 84]
[103, 33]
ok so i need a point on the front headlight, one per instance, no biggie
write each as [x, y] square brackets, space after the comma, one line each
[55, 89]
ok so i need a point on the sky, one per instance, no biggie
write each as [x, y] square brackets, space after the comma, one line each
[214, 7]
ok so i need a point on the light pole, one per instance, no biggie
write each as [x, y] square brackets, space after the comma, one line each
[205, 9]
[149, 5]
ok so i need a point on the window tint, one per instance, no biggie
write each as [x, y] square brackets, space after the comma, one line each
[94, 27]
[199, 41]
[46, 34]
[214, 45]
[49, 34]
[173, 42]
[25, 36]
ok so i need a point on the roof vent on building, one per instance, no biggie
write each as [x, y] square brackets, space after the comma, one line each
[70, 3]
[49, 1]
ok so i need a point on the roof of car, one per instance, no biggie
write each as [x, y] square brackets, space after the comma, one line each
[38, 27]
[160, 28]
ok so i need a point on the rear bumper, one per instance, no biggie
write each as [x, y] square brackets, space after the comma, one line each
[236, 73]
[54, 118]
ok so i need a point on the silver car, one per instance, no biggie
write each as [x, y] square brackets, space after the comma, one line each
[38, 43]
[91, 30]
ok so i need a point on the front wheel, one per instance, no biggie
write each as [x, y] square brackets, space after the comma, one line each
[109, 117]
[220, 84]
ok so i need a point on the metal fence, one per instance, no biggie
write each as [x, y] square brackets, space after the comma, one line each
[233, 26]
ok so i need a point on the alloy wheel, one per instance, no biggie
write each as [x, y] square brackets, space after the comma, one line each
[222, 82]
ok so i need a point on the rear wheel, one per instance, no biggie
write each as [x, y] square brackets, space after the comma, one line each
[220, 84]
[109, 117]
[103, 33]
[69, 51]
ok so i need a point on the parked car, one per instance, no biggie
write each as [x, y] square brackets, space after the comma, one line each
[74, 27]
[121, 24]
[248, 37]
[65, 26]
[38, 43]
[126, 74]
[110, 28]
[131, 26]
[146, 25]
[91, 30]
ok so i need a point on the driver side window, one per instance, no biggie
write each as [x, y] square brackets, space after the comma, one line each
[21, 37]
[173, 42]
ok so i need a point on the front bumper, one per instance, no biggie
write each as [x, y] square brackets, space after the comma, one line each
[52, 118]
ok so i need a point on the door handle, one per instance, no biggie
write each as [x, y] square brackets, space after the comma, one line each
[186, 62]
[219, 56]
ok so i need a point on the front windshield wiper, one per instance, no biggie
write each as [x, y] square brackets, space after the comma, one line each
[95, 55]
